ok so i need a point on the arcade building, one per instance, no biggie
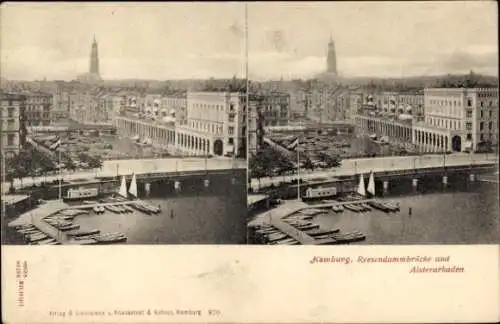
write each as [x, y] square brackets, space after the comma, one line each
[455, 120]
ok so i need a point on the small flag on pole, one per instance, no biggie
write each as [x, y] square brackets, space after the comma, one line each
[56, 145]
[293, 145]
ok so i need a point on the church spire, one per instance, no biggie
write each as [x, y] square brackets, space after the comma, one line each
[331, 58]
[94, 58]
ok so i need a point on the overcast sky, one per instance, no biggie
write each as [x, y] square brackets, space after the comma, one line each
[200, 40]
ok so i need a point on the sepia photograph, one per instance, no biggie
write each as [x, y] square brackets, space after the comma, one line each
[373, 123]
[177, 153]
[117, 132]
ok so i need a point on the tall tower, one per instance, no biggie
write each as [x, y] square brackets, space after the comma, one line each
[94, 59]
[331, 58]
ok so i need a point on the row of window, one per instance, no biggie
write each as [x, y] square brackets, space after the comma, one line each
[448, 103]
[490, 114]
[205, 127]
[482, 137]
[481, 126]
[487, 94]
[444, 123]
[211, 106]
[10, 103]
[483, 103]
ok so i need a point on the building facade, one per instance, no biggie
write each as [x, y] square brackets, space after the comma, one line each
[219, 118]
[13, 126]
[454, 120]
[274, 107]
[215, 124]
[176, 103]
[472, 113]
[39, 109]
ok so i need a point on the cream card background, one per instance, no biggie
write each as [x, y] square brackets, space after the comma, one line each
[249, 284]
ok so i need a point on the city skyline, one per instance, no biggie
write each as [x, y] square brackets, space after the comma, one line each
[291, 44]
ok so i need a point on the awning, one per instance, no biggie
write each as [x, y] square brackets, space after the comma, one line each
[468, 145]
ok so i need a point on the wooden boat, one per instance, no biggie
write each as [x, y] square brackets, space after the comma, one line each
[276, 237]
[352, 207]
[307, 227]
[46, 241]
[364, 206]
[140, 208]
[29, 231]
[393, 206]
[109, 238]
[120, 209]
[69, 227]
[379, 206]
[286, 241]
[79, 233]
[112, 208]
[128, 209]
[37, 237]
[96, 209]
[150, 208]
[319, 232]
[349, 237]
[338, 208]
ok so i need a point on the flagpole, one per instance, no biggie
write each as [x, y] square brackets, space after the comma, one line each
[298, 170]
[60, 174]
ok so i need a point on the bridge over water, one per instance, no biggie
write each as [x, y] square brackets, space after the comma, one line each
[144, 169]
[395, 167]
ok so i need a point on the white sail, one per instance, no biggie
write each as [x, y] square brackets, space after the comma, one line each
[123, 188]
[133, 186]
[371, 185]
[361, 186]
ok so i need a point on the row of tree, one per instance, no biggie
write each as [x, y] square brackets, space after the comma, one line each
[30, 162]
[269, 162]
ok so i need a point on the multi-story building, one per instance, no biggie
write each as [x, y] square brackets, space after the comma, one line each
[176, 103]
[215, 125]
[355, 104]
[81, 106]
[472, 112]
[115, 104]
[454, 120]
[13, 126]
[387, 102]
[218, 119]
[411, 103]
[298, 103]
[274, 107]
[38, 109]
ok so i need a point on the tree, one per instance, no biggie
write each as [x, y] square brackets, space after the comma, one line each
[308, 165]
[95, 162]
[70, 165]
[331, 161]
